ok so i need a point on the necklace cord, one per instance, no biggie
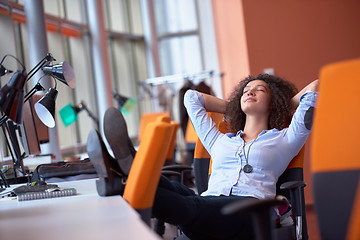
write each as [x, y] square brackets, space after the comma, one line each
[247, 157]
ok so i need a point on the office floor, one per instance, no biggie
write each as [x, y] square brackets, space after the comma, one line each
[313, 229]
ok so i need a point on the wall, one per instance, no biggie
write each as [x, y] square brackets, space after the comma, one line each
[231, 42]
[295, 38]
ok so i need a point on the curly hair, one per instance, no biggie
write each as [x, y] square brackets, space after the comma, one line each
[281, 109]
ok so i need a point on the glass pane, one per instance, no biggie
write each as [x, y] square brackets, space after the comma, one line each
[7, 46]
[84, 90]
[74, 11]
[125, 79]
[67, 136]
[116, 14]
[54, 7]
[180, 55]
[135, 17]
[175, 16]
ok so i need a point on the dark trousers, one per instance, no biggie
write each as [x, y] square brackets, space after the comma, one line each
[200, 217]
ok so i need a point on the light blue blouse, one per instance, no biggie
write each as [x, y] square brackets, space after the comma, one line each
[269, 154]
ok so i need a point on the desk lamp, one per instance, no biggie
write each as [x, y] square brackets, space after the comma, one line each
[126, 104]
[12, 94]
[69, 113]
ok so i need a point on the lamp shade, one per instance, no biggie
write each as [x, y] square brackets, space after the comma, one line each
[126, 104]
[12, 96]
[45, 108]
[63, 72]
[69, 114]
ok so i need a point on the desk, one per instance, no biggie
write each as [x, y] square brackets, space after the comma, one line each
[84, 216]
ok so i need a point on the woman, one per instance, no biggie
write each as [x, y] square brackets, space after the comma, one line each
[245, 163]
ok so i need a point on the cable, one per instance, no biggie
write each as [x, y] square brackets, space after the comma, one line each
[9, 55]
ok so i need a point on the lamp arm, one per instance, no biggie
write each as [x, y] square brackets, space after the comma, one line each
[36, 88]
[3, 119]
[91, 115]
[46, 60]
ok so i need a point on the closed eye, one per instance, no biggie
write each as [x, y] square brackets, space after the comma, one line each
[261, 88]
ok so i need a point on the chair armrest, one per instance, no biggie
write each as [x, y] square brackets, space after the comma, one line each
[177, 168]
[292, 184]
[296, 189]
[170, 173]
[253, 205]
[260, 212]
[296, 196]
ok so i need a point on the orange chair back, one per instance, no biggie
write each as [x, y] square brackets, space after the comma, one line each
[147, 118]
[298, 160]
[146, 168]
[170, 154]
[335, 161]
[336, 132]
[190, 134]
[200, 151]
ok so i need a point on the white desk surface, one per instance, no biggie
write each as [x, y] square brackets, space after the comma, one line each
[83, 216]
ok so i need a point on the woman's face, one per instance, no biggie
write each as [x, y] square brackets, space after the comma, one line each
[256, 98]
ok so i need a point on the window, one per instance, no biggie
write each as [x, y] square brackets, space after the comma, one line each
[178, 36]
[68, 40]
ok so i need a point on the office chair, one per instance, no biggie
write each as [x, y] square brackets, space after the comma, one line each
[290, 185]
[145, 172]
[335, 160]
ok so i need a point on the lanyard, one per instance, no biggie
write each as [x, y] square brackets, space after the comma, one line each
[247, 168]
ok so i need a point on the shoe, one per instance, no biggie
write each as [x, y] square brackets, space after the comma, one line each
[111, 179]
[116, 133]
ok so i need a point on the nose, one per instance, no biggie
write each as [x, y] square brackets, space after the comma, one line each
[251, 92]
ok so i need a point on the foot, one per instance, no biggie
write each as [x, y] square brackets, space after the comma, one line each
[111, 179]
[116, 133]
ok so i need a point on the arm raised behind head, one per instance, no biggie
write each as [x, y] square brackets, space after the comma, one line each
[313, 86]
[214, 104]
